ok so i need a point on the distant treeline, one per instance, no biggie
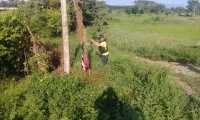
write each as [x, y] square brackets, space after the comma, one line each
[145, 6]
[11, 3]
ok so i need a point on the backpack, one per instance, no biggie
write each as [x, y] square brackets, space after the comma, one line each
[103, 49]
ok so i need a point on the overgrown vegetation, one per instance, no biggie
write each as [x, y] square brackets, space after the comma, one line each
[181, 54]
[126, 89]
[146, 6]
[39, 18]
[129, 90]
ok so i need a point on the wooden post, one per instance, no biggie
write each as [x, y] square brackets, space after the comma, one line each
[65, 35]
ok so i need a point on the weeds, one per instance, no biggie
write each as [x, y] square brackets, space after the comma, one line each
[181, 54]
[131, 90]
[125, 89]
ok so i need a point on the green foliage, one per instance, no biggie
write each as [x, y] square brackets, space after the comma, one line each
[145, 6]
[95, 13]
[182, 54]
[40, 97]
[130, 90]
[125, 89]
[53, 23]
[192, 81]
[159, 8]
[42, 18]
[179, 10]
[193, 5]
[131, 10]
[157, 19]
[11, 3]
[43, 22]
[13, 39]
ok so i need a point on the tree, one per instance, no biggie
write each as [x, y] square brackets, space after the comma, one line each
[179, 10]
[140, 5]
[145, 5]
[131, 10]
[65, 37]
[193, 5]
[160, 8]
[11, 3]
[14, 44]
[3, 4]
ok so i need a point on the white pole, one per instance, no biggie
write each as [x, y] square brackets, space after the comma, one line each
[65, 35]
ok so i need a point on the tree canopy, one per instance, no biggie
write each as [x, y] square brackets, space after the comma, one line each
[193, 5]
[142, 6]
[11, 3]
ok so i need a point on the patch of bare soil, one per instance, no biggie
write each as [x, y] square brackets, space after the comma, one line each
[185, 69]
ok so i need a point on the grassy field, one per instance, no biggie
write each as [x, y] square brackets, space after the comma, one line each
[149, 30]
[126, 89]
[172, 37]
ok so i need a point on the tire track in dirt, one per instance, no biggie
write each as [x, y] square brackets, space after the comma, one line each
[185, 69]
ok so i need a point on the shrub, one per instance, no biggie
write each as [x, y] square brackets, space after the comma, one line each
[124, 90]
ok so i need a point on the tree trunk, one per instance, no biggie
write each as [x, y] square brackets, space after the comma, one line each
[194, 11]
[65, 34]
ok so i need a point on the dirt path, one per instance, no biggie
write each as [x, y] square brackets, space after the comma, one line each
[185, 69]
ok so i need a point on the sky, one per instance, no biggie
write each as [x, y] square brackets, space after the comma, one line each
[168, 3]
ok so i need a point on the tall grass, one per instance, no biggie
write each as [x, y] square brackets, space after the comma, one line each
[181, 54]
[125, 89]
[173, 29]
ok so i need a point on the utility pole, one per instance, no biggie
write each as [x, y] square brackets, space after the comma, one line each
[65, 36]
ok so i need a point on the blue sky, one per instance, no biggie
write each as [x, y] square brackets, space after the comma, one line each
[168, 3]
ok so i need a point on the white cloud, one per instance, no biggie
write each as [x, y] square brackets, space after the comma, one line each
[119, 2]
[172, 3]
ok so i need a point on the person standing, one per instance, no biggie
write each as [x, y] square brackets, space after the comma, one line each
[103, 48]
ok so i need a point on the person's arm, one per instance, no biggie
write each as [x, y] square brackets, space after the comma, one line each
[96, 43]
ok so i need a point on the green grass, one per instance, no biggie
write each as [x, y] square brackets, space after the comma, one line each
[177, 30]
[181, 54]
[192, 81]
[172, 34]
[126, 89]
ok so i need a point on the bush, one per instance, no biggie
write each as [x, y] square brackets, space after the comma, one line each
[125, 90]
[157, 19]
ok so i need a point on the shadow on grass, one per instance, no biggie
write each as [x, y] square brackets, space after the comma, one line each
[77, 49]
[190, 67]
[111, 108]
[50, 45]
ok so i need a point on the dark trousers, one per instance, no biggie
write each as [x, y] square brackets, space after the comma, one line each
[104, 59]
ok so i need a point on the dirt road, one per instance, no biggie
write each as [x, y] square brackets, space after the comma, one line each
[185, 69]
